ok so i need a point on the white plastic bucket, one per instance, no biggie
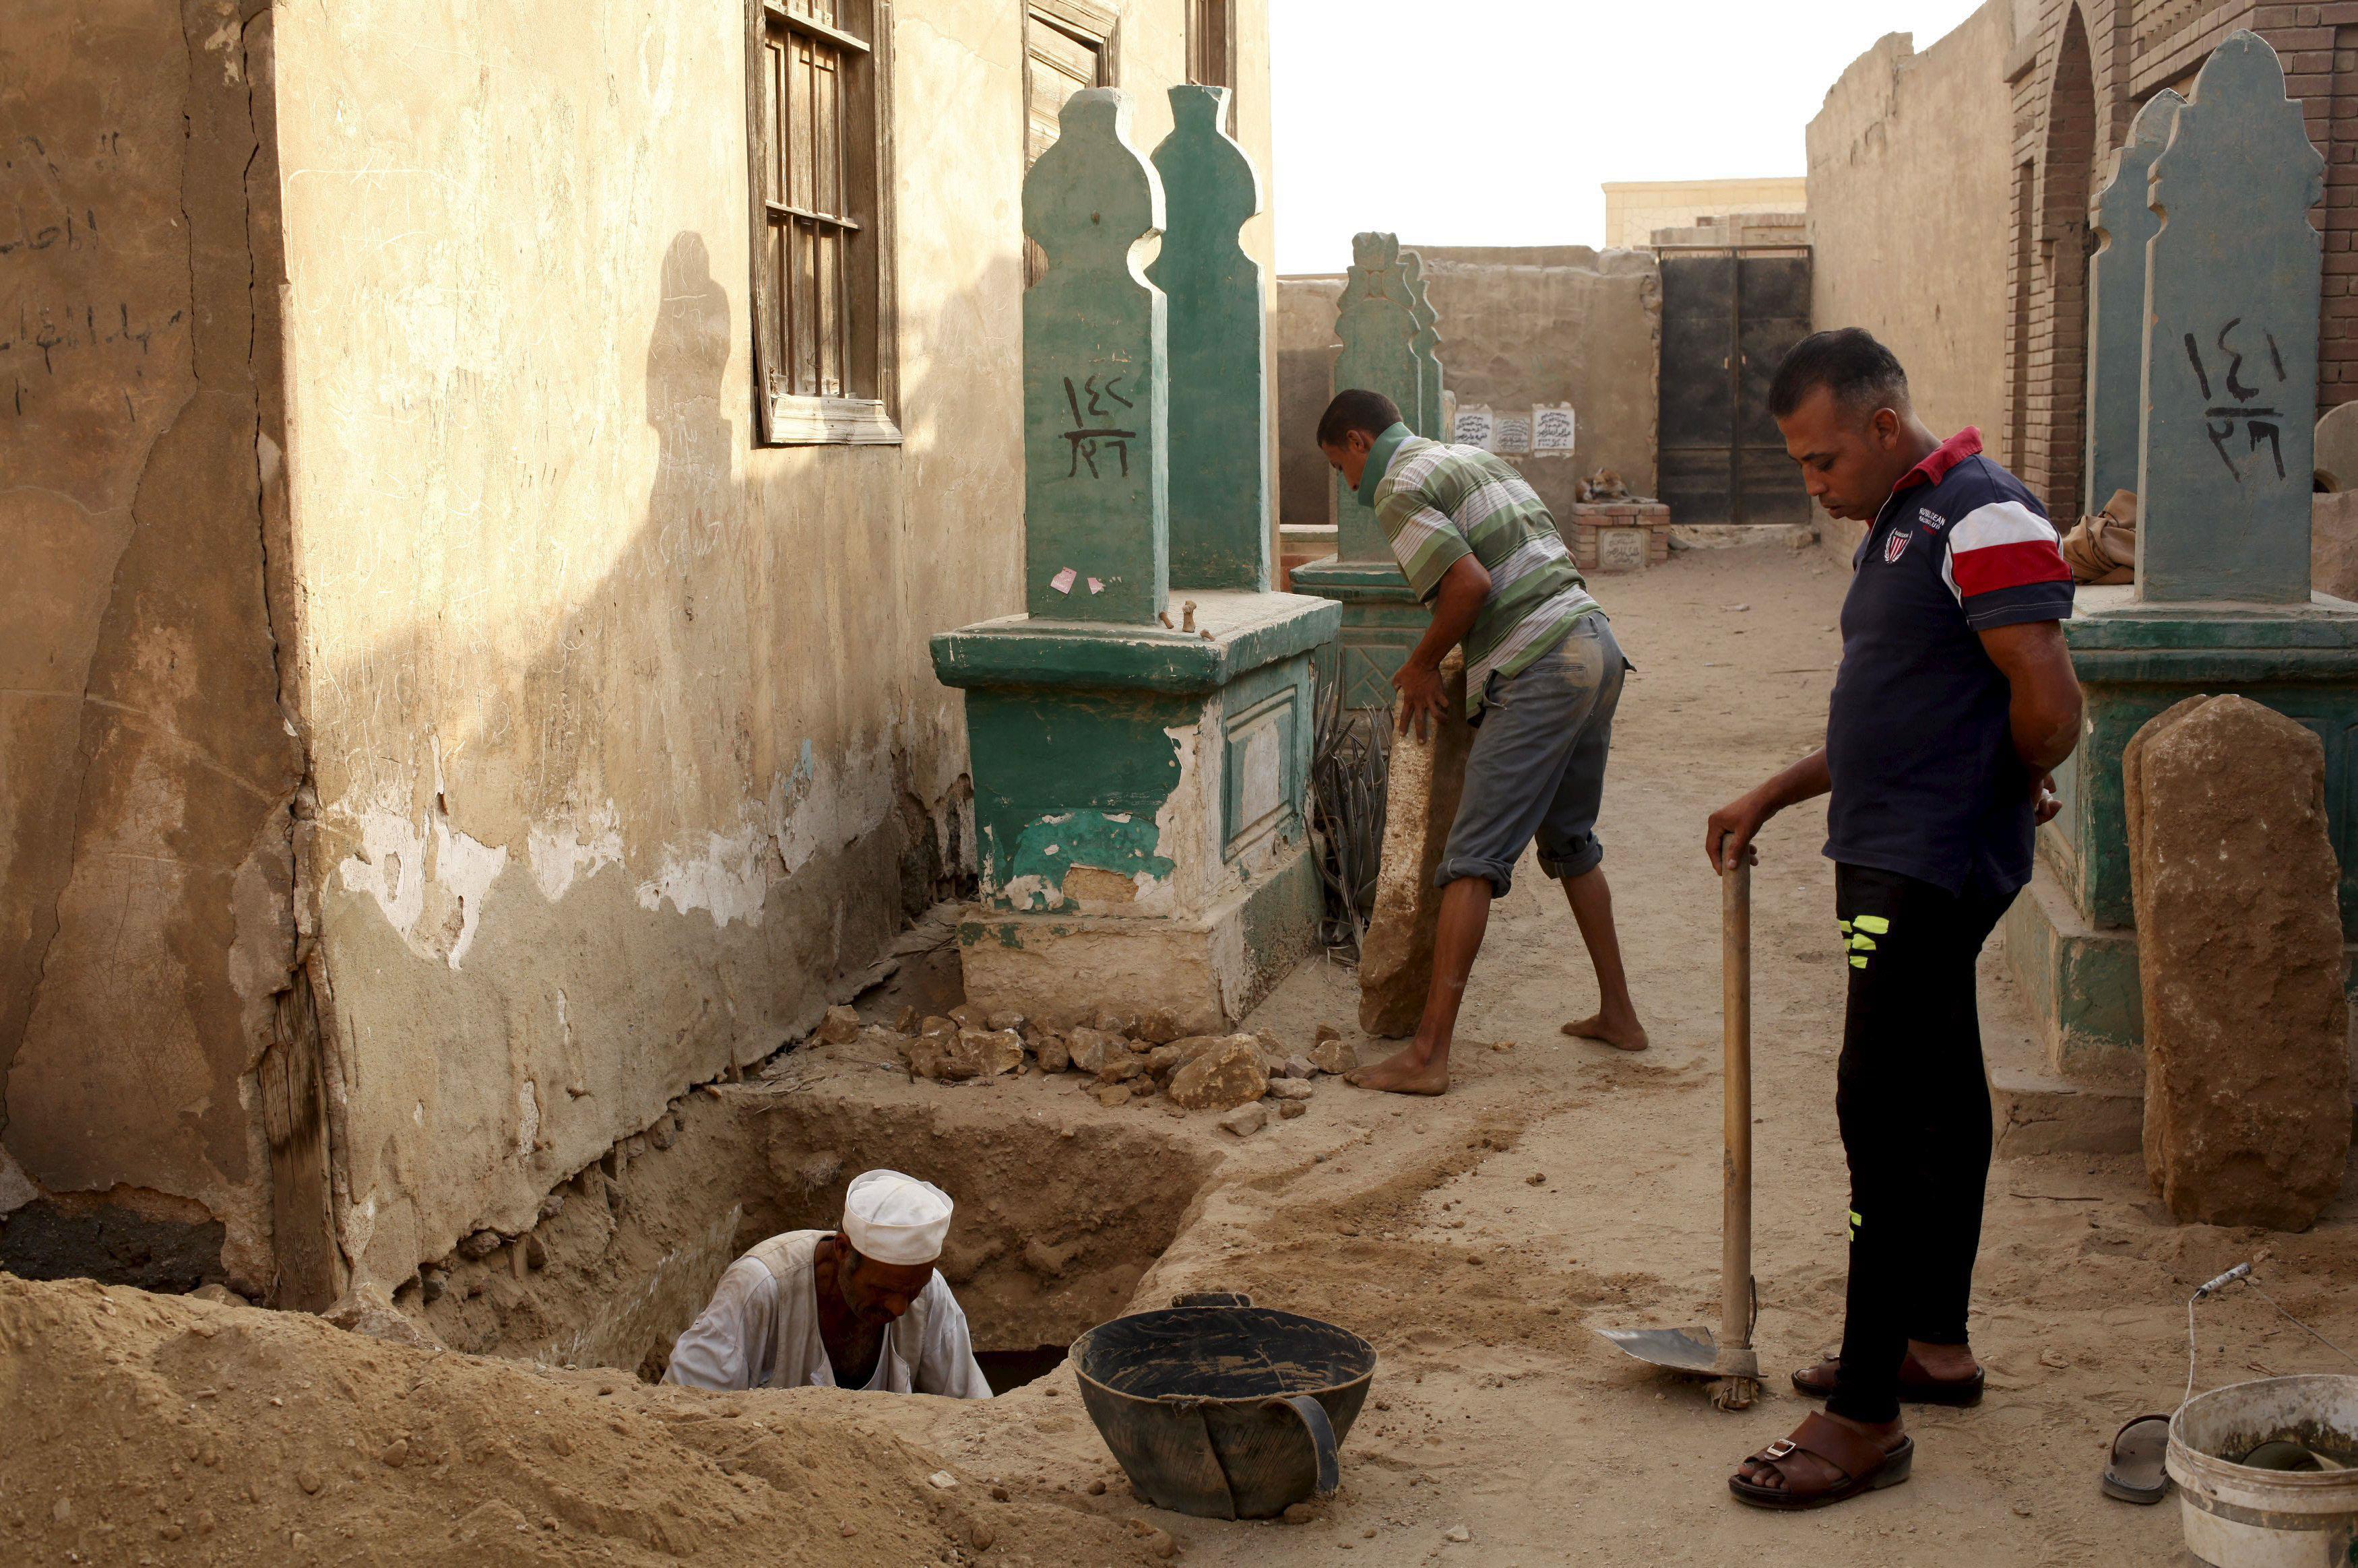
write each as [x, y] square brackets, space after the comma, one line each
[2238, 1516]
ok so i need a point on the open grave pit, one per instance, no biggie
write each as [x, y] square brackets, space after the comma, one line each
[1058, 1218]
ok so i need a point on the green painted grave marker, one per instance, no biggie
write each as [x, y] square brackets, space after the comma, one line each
[2223, 602]
[1375, 320]
[1096, 527]
[2230, 382]
[1219, 392]
[2116, 304]
[1426, 345]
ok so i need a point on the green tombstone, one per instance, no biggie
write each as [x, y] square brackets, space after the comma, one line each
[1218, 336]
[1375, 320]
[1427, 347]
[1141, 781]
[2229, 388]
[1096, 531]
[2223, 603]
[2116, 304]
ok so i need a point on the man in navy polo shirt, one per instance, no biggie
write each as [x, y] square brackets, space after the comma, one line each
[1954, 700]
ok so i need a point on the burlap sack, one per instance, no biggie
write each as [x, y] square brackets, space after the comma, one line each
[2103, 550]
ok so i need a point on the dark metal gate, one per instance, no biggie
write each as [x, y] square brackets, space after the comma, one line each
[1728, 318]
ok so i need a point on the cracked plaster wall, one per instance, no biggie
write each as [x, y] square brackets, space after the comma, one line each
[623, 733]
[146, 769]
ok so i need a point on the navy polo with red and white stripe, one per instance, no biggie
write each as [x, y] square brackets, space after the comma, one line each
[1926, 781]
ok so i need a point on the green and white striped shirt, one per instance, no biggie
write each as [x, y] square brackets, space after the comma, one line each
[1439, 503]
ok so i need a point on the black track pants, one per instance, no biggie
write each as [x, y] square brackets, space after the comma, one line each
[1914, 1101]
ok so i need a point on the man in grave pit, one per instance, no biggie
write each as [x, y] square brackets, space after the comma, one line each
[861, 1307]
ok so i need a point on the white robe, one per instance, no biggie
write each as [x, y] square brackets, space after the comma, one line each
[761, 1331]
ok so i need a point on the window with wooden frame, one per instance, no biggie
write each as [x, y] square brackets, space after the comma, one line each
[823, 351]
[1067, 45]
[1211, 44]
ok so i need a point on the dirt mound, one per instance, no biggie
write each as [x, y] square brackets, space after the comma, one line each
[158, 1428]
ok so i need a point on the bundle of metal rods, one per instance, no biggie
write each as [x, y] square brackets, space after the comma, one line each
[1350, 766]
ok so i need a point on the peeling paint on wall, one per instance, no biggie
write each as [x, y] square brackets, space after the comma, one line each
[727, 880]
[812, 811]
[571, 848]
[392, 867]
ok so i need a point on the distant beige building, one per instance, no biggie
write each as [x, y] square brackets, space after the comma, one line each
[1635, 209]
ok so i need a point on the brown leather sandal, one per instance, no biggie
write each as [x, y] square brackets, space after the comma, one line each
[1865, 1466]
[1917, 1387]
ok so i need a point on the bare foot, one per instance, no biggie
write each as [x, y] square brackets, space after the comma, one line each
[1404, 1072]
[1622, 1034]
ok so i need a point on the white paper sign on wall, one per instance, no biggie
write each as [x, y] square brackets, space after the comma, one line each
[1552, 428]
[1475, 427]
[1513, 433]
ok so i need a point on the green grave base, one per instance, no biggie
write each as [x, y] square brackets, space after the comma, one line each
[1140, 807]
[1382, 622]
[2070, 942]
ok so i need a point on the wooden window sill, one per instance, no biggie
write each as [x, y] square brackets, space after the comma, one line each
[796, 421]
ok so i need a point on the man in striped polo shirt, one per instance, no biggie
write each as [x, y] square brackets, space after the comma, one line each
[1543, 678]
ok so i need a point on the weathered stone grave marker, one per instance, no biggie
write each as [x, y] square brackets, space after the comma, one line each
[2337, 445]
[2247, 1031]
[1219, 430]
[1427, 779]
[2229, 393]
[1139, 786]
[2116, 304]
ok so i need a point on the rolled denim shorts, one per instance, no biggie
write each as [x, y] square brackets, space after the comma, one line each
[1537, 766]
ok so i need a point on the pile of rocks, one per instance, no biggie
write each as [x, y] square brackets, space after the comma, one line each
[1132, 1058]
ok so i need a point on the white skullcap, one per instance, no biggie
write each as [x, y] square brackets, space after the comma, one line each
[895, 1219]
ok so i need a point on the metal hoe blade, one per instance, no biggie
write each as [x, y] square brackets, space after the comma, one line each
[1691, 1350]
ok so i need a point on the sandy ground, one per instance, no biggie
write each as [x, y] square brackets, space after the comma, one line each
[1476, 1240]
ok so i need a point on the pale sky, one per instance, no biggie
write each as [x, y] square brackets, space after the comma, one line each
[1493, 122]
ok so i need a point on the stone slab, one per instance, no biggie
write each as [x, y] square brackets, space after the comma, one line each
[2336, 445]
[2333, 543]
[2247, 1067]
[1420, 801]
